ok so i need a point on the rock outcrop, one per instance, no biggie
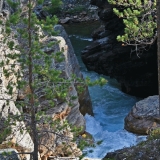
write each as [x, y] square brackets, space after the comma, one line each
[137, 75]
[144, 116]
[144, 151]
[84, 97]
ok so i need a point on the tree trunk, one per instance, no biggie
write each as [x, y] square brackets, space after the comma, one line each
[31, 99]
[158, 47]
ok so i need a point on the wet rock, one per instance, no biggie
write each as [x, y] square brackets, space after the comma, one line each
[144, 116]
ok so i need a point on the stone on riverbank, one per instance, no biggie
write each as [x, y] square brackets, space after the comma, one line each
[143, 116]
[148, 150]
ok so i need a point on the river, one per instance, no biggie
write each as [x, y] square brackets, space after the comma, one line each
[110, 105]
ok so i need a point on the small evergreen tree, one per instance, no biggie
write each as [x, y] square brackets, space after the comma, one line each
[140, 20]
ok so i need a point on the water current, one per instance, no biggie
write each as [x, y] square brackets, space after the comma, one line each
[110, 104]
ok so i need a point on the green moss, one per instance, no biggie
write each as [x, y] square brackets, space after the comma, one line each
[154, 134]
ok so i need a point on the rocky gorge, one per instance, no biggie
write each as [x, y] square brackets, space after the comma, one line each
[137, 74]
[105, 56]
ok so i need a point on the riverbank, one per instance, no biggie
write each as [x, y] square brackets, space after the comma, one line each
[77, 11]
[72, 11]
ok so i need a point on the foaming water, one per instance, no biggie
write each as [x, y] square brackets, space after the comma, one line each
[110, 140]
[110, 105]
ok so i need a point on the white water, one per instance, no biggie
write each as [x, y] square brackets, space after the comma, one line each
[110, 106]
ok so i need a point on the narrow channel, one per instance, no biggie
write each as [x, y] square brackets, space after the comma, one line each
[110, 105]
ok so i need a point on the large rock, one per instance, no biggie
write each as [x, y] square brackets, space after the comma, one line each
[65, 20]
[84, 97]
[67, 68]
[136, 74]
[144, 116]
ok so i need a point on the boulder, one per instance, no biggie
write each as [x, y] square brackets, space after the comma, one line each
[137, 74]
[144, 116]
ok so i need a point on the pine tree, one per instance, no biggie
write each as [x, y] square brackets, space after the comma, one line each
[35, 70]
[142, 25]
[140, 20]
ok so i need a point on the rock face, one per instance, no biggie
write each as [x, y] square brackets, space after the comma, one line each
[23, 140]
[137, 75]
[84, 97]
[143, 116]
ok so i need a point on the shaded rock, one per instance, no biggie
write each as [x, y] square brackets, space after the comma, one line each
[40, 12]
[143, 116]
[137, 75]
[9, 154]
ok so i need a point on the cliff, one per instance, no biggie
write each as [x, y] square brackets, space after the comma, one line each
[81, 104]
